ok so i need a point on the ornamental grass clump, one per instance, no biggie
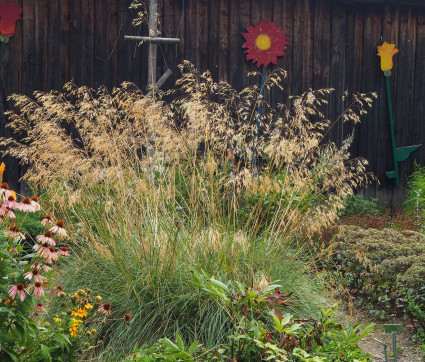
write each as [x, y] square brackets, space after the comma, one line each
[152, 187]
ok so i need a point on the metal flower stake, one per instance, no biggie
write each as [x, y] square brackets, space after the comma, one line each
[264, 42]
[9, 14]
[386, 52]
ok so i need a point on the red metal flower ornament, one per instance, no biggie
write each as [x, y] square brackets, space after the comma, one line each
[264, 43]
[9, 14]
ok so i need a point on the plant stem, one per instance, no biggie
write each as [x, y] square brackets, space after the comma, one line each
[257, 118]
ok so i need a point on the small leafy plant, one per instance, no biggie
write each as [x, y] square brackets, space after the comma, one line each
[260, 331]
[383, 269]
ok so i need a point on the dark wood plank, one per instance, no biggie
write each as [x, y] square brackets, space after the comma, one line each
[370, 83]
[236, 57]
[223, 63]
[245, 21]
[307, 65]
[321, 47]
[337, 72]
[298, 46]
[180, 10]
[277, 96]
[191, 32]
[286, 61]
[52, 60]
[64, 40]
[112, 38]
[405, 84]
[169, 29]
[202, 27]
[419, 95]
[75, 35]
[360, 130]
[100, 56]
[213, 39]
[87, 42]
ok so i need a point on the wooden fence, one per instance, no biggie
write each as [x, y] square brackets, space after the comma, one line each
[331, 44]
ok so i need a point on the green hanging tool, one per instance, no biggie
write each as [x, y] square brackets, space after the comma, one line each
[386, 52]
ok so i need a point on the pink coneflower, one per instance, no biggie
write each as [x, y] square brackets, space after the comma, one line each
[59, 230]
[105, 308]
[46, 238]
[35, 204]
[47, 221]
[38, 289]
[34, 274]
[6, 212]
[25, 205]
[39, 266]
[14, 232]
[10, 203]
[59, 290]
[4, 191]
[47, 252]
[53, 256]
[39, 307]
[63, 251]
[42, 250]
[17, 289]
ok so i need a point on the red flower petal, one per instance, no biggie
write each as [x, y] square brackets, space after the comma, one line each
[9, 14]
[278, 41]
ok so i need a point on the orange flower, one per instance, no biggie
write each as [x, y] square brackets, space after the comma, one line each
[264, 43]
[2, 167]
[74, 327]
[386, 52]
[79, 313]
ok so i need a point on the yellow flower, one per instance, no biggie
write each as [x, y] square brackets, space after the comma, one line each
[74, 330]
[57, 320]
[74, 327]
[79, 313]
[2, 167]
[386, 52]
[88, 306]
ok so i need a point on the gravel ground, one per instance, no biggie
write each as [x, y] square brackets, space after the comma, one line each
[407, 351]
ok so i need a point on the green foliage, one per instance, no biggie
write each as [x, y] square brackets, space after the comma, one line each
[30, 223]
[383, 269]
[356, 204]
[23, 334]
[415, 192]
[261, 332]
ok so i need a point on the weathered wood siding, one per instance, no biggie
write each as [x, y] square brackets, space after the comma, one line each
[332, 44]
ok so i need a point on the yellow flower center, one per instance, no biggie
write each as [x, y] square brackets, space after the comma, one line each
[263, 42]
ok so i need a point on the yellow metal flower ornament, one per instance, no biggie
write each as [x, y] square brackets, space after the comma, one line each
[264, 43]
[386, 52]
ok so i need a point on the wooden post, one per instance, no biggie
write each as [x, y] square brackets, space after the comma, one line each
[155, 40]
[160, 82]
[153, 26]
